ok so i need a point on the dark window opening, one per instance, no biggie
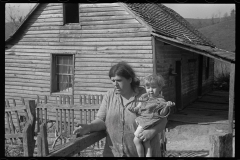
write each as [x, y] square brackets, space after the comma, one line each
[71, 13]
[207, 68]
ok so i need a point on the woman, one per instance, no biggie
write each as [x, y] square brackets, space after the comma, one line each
[114, 116]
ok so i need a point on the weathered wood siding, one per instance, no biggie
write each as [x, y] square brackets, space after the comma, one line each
[107, 34]
[166, 56]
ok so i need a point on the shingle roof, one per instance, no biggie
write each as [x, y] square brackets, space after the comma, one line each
[167, 22]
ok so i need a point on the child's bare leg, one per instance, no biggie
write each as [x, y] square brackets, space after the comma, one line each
[148, 148]
[139, 145]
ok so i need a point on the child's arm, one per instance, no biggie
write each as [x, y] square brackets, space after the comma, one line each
[166, 110]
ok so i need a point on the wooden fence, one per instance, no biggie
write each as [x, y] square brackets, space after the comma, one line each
[24, 133]
[65, 113]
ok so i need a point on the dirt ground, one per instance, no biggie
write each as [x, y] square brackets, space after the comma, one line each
[183, 136]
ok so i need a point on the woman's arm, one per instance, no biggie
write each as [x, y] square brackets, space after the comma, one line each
[95, 125]
[148, 134]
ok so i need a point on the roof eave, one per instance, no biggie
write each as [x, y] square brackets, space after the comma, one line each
[203, 50]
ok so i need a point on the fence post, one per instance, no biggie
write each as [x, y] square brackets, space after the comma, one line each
[28, 131]
[28, 140]
[221, 145]
[43, 134]
[31, 110]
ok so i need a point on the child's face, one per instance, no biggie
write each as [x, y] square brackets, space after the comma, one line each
[153, 88]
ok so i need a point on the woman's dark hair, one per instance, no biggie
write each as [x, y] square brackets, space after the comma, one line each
[124, 70]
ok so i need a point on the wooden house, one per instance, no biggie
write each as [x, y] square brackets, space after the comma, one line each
[68, 49]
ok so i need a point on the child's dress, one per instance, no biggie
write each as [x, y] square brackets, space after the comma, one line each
[148, 111]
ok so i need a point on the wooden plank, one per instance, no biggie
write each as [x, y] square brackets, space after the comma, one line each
[26, 57]
[33, 24]
[29, 50]
[112, 26]
[13, 109]
[43, 133]
[26, 61]
[26, 89]
[139, 65]
[95, 5]
[107, 85]
[97, 18]
[101, 39]
[218, 94]
[27, 54]
[120, 43]
[47, 20]
[65, 120]
[231, 98]
[90, 92]
[206, 112]
[28, 142]
[15, 135]
[197, 119]
[96, 89]
[27, 81]
[50, 49]
[27, 76]
[26, 85]
[78, 144]
[72, 117]
[47, 16]
[100, 9]
[91, 14]
[29, 73]
[67, 106]
[104, 31]
[28, 69]
[212, 106]
[211, 99]
[63, 35]
[39, 40]
[92, 60]
[109, 22]
[39, 146]
[48, 12]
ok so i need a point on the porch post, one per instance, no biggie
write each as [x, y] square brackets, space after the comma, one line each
[231, 97]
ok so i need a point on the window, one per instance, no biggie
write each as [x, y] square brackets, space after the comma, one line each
[62, 74]
[207, 68]
[70, 13]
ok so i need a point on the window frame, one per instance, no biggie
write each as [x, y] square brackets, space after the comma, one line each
[53, 72]
[65, 17]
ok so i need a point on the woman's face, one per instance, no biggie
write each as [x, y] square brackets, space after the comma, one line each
[121, 84]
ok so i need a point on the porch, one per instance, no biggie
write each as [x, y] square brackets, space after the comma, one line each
[189, 130]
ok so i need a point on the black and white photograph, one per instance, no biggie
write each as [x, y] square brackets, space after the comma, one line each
[120, 79]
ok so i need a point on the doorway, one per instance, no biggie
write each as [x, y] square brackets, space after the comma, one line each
[178, 82]
[200, 73]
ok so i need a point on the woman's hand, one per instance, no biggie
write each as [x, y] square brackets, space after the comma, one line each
[82, 129]
[148, 134]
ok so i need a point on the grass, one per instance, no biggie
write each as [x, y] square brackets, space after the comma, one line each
[13, 150]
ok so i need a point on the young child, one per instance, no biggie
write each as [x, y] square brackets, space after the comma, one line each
[150, 110]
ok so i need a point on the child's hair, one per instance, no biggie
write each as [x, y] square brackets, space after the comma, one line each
[154, 78]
